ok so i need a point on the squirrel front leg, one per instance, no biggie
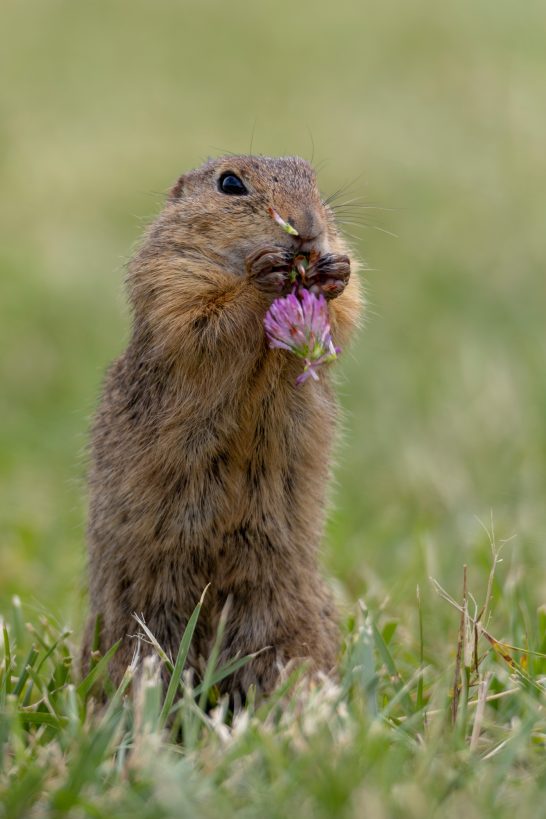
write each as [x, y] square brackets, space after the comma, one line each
[203, 321]
[199, 321]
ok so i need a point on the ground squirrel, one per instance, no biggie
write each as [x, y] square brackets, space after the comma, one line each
[208, 463]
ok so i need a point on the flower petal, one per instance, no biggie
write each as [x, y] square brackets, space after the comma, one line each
[300, 323]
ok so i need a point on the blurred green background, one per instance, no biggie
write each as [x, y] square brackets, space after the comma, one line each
[436, 115]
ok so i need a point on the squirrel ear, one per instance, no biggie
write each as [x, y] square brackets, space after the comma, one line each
[177, 189]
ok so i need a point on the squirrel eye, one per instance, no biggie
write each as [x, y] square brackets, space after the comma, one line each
[231, 184]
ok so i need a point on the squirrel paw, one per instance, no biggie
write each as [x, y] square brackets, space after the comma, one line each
[329, 275]
[269, 269]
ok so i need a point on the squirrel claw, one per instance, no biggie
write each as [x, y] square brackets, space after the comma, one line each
[329, 275]
[269, 268]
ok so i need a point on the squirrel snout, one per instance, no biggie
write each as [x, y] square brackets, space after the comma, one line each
[308, 224]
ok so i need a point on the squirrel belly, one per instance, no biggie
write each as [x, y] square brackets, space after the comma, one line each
[208, 464]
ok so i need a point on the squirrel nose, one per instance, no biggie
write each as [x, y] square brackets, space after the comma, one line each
[308, 224]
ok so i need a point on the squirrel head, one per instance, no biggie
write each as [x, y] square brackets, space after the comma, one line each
[215, 220]
[224, 208]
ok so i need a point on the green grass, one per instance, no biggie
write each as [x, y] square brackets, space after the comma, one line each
[386, 739]
[440, 108]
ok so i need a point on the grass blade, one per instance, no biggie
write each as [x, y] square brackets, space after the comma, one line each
[23, 677]
[420, 684]
[227, 670]
[101, 668]
[390, 665]
[181, 658]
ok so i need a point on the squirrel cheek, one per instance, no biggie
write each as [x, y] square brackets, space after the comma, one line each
[235, 260]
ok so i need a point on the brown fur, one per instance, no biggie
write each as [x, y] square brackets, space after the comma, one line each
[208, 464]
